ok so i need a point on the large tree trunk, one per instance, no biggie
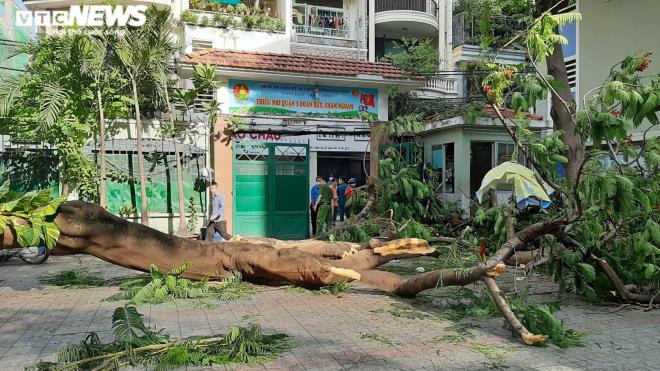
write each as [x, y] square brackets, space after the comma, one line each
[144, 211]
[563, 103]
[564, 118]
[89, 229]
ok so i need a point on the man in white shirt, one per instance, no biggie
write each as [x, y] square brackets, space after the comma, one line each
[217, 222]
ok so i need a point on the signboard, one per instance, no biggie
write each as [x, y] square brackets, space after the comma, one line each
[317, 142]
[298, 100]
[336, 135]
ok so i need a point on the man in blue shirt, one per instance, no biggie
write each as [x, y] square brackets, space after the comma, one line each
[314, 196]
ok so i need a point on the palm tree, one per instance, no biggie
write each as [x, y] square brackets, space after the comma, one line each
[94, 50]
[171, 132]
[145, 52]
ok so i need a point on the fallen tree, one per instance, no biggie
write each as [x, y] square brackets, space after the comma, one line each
[89, 229]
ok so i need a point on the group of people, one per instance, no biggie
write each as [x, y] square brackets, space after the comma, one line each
[328, 201]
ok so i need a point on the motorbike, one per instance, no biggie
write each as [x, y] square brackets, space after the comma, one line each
[30, 255]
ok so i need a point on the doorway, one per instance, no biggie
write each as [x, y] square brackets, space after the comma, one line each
[481, 161]
[348, 165]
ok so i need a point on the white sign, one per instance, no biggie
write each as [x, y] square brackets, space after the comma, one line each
[85, 16]
[349, 144]
[334, 136]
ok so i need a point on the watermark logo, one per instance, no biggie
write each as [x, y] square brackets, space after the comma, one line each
[85, 16]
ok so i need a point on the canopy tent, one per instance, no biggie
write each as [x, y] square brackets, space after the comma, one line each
[526, 189]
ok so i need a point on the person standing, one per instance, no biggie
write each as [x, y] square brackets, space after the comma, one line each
[333, 186]
[217, 222]
[341, 198]
[323, 207]
[352, 183]
[314, 196]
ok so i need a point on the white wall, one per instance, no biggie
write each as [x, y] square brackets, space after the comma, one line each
[243, 40]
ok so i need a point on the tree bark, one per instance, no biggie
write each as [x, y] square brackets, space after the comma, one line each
[144, 211]
[562, 116]
[564, 119]
[102, 165]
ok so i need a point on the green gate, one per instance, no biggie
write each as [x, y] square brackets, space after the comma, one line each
[271, 186]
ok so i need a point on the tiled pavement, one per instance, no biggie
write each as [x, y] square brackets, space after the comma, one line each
[36, 320]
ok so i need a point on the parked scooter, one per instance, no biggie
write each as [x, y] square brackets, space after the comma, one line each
[30, 255]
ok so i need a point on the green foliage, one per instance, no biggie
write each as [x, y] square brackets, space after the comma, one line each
[160, 287]
[78, 278]
[194, 214]
[31, 215]
[414, 56]
[135, 344]
[492, 23]
[538, 319]
[401, 189]
[188, 16]
[334, 289]
[542, 36]
[379, 338]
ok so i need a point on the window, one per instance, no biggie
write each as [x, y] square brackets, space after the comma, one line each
[504, 152]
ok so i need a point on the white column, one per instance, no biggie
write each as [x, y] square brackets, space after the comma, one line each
[449, 47]
[313, 167]
[372, 30]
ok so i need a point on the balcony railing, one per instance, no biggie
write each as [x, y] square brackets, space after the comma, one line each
[504, 28]
[442, 84]
[322, 31]
[424, 6]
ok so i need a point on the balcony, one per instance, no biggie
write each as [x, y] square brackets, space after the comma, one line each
[466, 30]
[406, 18]
[440, 87]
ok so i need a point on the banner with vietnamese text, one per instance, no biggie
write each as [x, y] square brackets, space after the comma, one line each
[298, 100]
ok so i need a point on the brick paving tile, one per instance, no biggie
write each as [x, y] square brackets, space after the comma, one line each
[36, 320]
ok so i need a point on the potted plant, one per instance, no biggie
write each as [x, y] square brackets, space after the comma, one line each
[230, 9]
[241, 8]
[195, 4]
[224, 21]
[188, 16]
[249, 21]
[205, 21]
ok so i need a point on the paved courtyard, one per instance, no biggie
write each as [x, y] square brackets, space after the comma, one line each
[360, 328]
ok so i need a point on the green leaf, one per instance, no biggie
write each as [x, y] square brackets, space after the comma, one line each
[51, 234]
[51, 207]
[649, 271]
[4, 189]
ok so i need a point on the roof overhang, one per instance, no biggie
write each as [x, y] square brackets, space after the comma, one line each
[372, 81]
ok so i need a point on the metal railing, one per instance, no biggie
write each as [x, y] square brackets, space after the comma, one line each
[322, 31]
[424, 6]
[465, 30]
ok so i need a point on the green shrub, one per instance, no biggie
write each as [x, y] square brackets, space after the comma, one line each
[188, 17]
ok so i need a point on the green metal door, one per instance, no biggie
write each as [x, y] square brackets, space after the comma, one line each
[251, 189]
[271, 190]
[290, 190]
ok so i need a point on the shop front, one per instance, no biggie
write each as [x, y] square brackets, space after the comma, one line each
[291, 134]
